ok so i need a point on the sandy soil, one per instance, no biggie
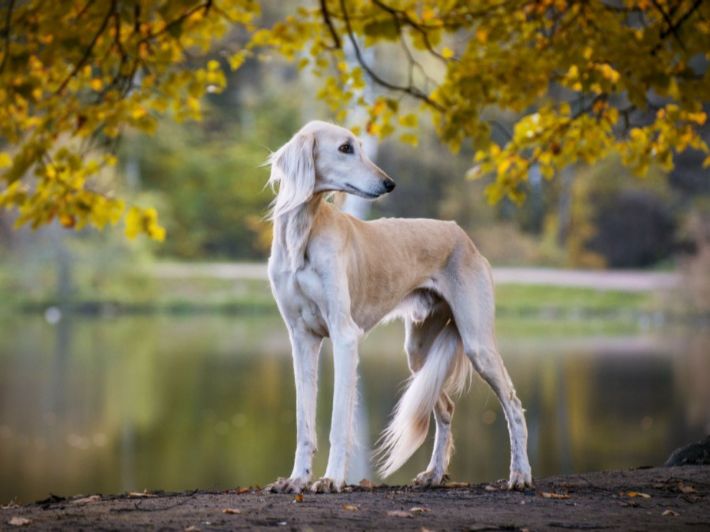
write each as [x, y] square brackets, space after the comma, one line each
[644, 499]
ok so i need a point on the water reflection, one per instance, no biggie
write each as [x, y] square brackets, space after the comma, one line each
[107, 405]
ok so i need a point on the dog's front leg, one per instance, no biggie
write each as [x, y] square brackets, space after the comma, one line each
[305, 348]
[345, 359]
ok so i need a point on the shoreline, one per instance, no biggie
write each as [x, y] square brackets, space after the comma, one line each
[639, 499]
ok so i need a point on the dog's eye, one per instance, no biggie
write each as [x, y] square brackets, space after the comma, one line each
[346, 148]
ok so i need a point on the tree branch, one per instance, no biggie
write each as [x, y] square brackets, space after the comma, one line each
[669, 21]
[413, 63]
[6, 34]
[411, 90]
[89, 50]
[84, 9]
[329, 23]
[187, 14]
[402, 16]
[673, 27]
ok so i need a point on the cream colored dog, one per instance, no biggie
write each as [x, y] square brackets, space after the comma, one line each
[336, 276]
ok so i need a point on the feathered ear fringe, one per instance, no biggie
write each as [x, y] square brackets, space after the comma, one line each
[293, 168]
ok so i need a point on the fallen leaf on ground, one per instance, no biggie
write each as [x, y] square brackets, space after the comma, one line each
[140, 494]
[490, 488]
[87, 500]
[367, 484]
[192, 528]
[418, 509]
[684, 488]
[19, 521]
[241, 491]
[231, 511]
[638, 494]
[298, 497]
[398, 513]
[350, 507]
[670, 513]
[552, 495]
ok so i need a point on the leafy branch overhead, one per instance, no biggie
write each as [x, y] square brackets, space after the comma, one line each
[585, 79]
[74, 75]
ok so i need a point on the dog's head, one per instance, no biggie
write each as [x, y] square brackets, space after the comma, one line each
[323, 157]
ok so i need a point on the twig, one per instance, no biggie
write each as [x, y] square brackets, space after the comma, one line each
[6, 33]
[206, 6]
[411, 90]
[413, 63]
[137, 505]
[669, 21]
[410, 22]
[328, 22]
[84, 9]
[502, 129]
[89, 50]
[674, 27]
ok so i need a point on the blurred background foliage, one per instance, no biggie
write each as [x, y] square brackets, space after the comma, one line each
[130, 359]
[206, 180]
[211, 188]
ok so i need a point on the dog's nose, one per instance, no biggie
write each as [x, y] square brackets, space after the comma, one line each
[389, 185]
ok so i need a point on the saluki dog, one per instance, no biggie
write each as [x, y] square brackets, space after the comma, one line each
[336, 276]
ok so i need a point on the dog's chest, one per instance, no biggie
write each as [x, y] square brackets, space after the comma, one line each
[300, 297]
[310, 287]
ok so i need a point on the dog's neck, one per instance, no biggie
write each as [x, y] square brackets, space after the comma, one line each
[292, 231]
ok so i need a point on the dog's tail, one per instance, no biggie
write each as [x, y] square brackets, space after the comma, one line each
[445, 369]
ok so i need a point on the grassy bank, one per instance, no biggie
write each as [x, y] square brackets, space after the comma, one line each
[524, 308]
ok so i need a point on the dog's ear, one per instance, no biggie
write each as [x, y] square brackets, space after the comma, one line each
[293, 168]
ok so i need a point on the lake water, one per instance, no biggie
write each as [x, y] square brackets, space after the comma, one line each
[180, 402]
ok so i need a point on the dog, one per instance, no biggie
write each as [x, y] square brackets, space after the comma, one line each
[335, 276]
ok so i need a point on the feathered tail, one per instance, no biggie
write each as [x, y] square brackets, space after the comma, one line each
[445, 367]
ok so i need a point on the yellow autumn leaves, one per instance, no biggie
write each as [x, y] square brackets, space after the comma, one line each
[580, 93]
[75, 75]
[555, 137]
[582, 79]
[143, 221]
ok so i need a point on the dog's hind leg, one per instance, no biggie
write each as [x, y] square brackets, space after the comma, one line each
[472, 303]
[435, 473]
[419, 339]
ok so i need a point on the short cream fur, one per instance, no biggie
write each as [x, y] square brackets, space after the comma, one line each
[336, 276]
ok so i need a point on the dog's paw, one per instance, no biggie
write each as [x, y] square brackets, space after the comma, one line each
[287, 485]
[519, 480]
[429, 478]
[327, 485]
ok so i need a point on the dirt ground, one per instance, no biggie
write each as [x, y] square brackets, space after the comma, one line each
[667, 498]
